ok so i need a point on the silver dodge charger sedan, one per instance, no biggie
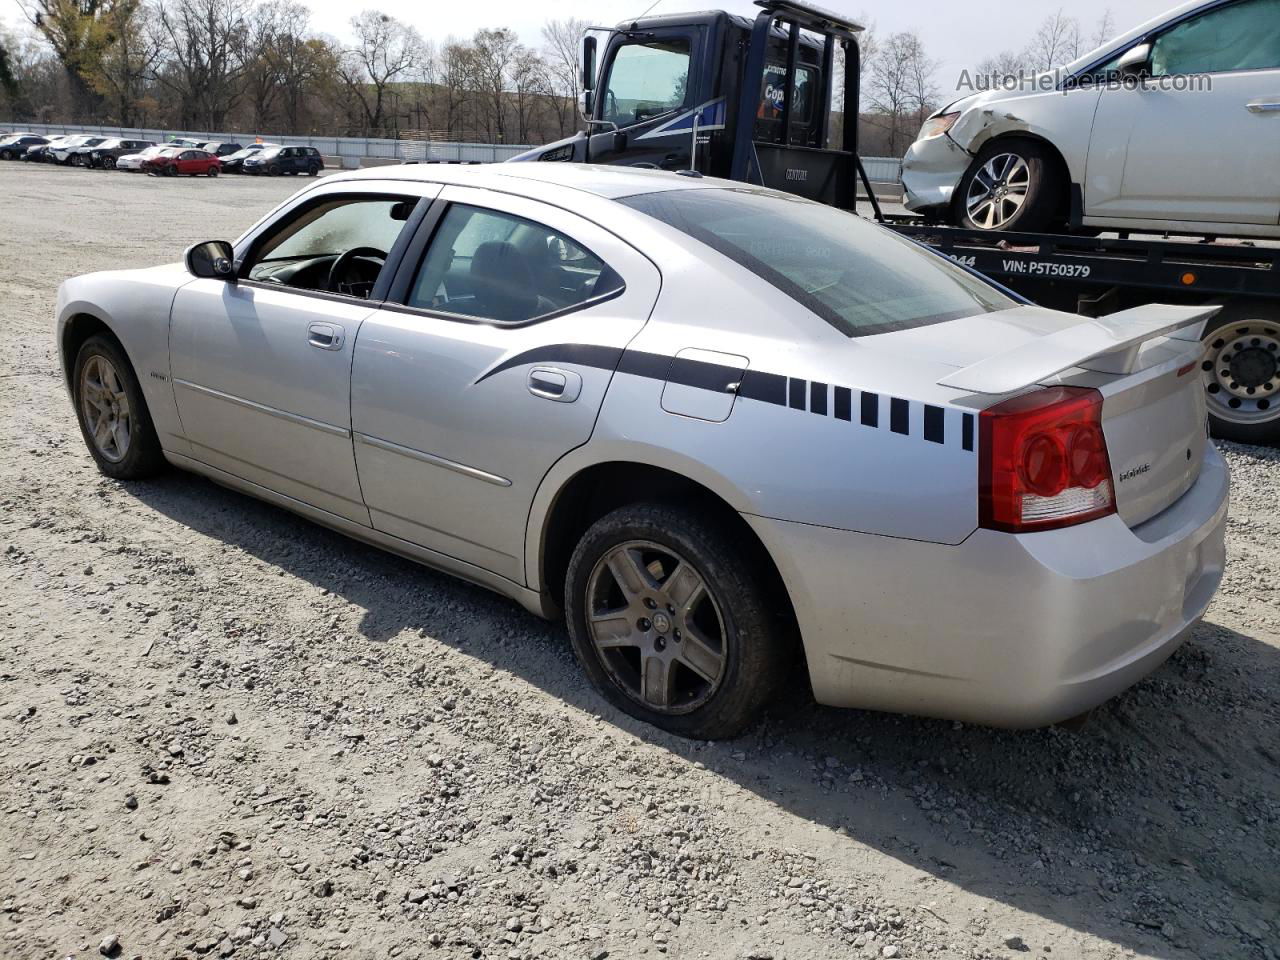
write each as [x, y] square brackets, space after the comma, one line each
[722, 430]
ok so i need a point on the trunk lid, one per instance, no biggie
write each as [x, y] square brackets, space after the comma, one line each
[1143, 361]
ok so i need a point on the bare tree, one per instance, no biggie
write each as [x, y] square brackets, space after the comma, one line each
[202, 56]
[562, 43]
[1104, 30]
[1056, 41]
[493, 54]
[899, 87]
[126, 60]
[385, 53]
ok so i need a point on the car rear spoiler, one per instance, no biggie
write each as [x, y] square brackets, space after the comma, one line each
[1108, 344]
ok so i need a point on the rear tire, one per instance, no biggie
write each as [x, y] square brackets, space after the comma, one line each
[112, 412]
[687, 574]
[1013, 185]
[313, 171]
[1241, 373]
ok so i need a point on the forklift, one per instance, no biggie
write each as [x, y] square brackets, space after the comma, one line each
[773, 102]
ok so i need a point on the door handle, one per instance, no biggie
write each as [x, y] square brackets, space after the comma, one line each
[1263, 106]
[552, 383]
[326, 336]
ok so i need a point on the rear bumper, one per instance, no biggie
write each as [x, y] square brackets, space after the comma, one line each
[1006, 630]
[931, 171]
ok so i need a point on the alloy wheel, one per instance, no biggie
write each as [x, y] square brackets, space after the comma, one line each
[997, 191]
[104, 404]
[656, 627]
[1242, 372]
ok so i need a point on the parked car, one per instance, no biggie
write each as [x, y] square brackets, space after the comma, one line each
[63, 153]
[1177, 123]
[107, 153]
[714, 424]
[278, 160]
[13, 147]
[136, 161]
[185, 142]
[175, 161]
[39, 152]
[232, 162]
[222, 148]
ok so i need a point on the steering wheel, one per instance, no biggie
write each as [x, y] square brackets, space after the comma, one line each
[341, 265]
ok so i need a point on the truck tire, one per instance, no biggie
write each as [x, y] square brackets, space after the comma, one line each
[1241, 373]
[672, 624]
[1013, 185]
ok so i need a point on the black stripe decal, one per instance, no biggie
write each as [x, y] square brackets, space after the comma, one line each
[898, 411]
[818, 397]
[706, 376]
[844, 403]
[796, 391]
[870, 409]
[773, 388]
[586, 354]
[934, 430]
[766, 387]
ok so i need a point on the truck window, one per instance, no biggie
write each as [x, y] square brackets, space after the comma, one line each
[859, 277]
[647, 79]
[771, 94]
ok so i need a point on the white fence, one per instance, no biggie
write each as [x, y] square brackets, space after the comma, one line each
[354, 147]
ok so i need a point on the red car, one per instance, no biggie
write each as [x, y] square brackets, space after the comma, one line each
[184, 160]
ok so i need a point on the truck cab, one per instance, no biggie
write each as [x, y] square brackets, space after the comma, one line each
[670, 93]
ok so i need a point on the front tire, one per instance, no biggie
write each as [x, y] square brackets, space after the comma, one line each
[1241, 374]
[112, 412]
[671, 624]
[1013, 185]
[273, 171]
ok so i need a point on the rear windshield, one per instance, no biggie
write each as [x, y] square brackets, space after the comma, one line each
[859, 277]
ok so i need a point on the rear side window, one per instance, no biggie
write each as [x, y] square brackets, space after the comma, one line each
[1242, 36]
[495, 266]
[860, 278]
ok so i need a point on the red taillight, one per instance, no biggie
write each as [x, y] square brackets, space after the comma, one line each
[1044, 461]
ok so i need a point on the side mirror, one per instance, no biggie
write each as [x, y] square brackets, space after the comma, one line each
[211, 260]
[1135, 62]
[584, 104]
[588, 63]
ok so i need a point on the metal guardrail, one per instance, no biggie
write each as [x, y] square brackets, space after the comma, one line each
[354, 147]
[879, 169]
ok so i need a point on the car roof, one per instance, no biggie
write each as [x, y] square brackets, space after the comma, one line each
[601, 180]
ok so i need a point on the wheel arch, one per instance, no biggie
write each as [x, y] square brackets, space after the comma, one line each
[79, 327]
[567, 505]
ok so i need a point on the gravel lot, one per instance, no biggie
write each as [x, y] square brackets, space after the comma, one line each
[226, 731]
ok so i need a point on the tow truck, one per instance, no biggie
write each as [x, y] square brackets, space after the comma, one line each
[773, 101]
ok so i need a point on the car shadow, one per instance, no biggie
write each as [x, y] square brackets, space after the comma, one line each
[1154, 827]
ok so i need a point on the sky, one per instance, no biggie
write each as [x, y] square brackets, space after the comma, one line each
[958, 34]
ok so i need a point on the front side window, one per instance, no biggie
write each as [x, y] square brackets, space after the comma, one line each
[1242, 36]
[646, 80]
[860, 278]
[495, 266]
[338, 245]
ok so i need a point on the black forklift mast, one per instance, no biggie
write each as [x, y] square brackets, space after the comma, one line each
[820, 173]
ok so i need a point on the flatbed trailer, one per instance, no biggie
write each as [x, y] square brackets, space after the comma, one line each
[1097, 275]
[754, 103]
